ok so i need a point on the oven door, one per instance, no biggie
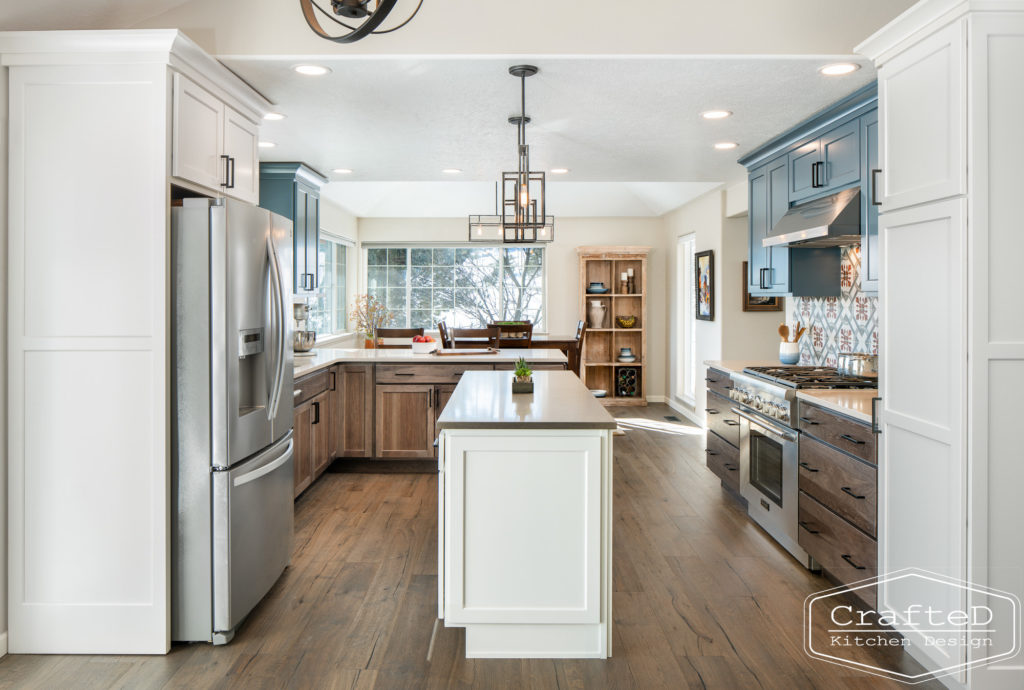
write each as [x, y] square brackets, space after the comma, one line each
[769, 479]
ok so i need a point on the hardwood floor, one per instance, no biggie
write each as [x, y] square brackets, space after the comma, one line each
[703, 598]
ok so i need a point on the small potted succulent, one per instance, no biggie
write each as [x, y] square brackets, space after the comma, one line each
[522, 381]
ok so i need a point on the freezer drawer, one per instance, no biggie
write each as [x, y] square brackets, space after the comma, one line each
[253, 518]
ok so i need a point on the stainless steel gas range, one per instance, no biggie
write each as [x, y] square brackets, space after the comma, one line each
[765, 400]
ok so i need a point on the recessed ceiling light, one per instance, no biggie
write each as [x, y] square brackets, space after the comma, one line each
[559, 171]
[715, 114]
[451, 171]
[312, 70]
[839, 69]
[343, 171]
[273, 116]
[267, 144]
[726, 145]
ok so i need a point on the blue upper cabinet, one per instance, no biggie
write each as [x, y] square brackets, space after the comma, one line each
[293, 191]
[768, 268]
[870, 199]
[827, 163]
[757, 214]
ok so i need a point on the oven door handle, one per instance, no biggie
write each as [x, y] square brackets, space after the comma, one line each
[766, 425]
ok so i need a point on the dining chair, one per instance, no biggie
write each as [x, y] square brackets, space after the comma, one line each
[446, 335]
[514, 335]
[382, 334]
[465, 338]
[576, 349]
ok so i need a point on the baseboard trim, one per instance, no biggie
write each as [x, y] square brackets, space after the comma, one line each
[655, 398]
[689, 414]
[3, 644]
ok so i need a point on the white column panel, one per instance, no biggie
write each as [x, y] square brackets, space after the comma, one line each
[88, 359]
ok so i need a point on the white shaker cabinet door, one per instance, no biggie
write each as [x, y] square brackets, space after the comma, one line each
[922, 469]
[922, 120]
[241, 141]
[198, 135]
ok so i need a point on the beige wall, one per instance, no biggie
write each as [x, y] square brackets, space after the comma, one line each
[563, 310]
[3, 357]
[734, 334]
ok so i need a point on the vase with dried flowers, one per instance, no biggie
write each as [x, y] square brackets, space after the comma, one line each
[369, 314]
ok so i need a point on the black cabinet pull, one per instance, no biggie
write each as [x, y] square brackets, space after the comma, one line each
[765, 283]
[875, 427]
[874, 186]
[807, 467]
[334, 380]
[711, 452]
[227, 168]
[808, 420]
[851, 439]
[710, 410]
[807, 527]
[730, 467]
[230, 172]
[710, 380]
[814, 175]
[402, 373]
[316, 412]
[731, 422]
[846, 557]
[846, 490]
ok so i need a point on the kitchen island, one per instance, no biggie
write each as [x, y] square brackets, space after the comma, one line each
[524, 513]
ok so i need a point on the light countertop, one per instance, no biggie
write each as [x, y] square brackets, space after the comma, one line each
[852, 403]
[325, 357]
[738, 365]
[484, 400]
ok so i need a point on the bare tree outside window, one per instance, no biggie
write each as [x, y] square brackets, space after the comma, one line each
[464, 286]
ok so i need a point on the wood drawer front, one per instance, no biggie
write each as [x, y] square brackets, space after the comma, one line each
[308, 387]
[828, 538]
[426, 373]
[723, 460]
[721, 419]
[846, 485]
[845, 434]
[719, 382]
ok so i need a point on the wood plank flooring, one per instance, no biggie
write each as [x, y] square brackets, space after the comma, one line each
[702, 597]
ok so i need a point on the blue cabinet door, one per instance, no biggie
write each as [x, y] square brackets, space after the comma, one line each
[778, 204]
[757, 213]
[870, 257]
[840, 157]
[302, 280]
[803, 163]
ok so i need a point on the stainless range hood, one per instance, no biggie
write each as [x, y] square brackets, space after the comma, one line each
[831, 221]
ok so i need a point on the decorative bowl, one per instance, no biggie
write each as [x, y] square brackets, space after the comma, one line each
[424, 348]
[627, 358]
[599, 392]
[625, 321]
[596, 291]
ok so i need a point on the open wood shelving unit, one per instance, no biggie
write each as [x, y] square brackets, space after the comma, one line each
[600, 368]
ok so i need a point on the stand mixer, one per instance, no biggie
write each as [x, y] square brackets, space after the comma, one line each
[303, 339]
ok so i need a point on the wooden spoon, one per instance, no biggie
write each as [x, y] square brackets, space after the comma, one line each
[784, 332]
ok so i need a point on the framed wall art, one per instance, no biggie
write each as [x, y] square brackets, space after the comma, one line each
[704, 273]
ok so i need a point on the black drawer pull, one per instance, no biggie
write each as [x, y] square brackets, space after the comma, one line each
[808, 420]
[851, 439]
[806, 527]
[729, 466]
[710, 380]
[846, 490]
[849, 560]
[710, 410]
[400, 373]
[711, 452]
[808, 467]
[731, 422]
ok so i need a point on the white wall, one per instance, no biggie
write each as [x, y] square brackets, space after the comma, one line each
[563, 310]
[3, 359]
[734, 334]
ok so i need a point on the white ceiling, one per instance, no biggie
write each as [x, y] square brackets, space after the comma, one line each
[83, 14]
[629, 129]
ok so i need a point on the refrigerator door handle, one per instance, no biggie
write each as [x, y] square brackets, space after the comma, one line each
[266, 469]
[282, 316]
[278, 320]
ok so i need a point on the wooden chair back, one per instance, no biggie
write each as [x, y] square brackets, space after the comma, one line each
[576, 350]
[446, 335]
[392, 333]
[514, 335]
[475, 336]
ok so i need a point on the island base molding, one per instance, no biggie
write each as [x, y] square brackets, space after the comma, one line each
[537, 641]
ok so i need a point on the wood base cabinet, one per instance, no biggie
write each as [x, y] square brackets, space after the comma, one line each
[312, 433]
[352, 410]
[405, 421]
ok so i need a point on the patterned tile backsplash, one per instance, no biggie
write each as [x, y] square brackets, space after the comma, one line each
[848, 323]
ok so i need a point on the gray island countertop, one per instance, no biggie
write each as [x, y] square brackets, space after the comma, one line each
[484, 400]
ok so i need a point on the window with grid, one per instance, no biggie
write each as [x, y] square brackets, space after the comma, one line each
[464, 286]
[327, 309]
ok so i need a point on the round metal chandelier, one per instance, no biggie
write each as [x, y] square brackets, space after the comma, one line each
[355, 10]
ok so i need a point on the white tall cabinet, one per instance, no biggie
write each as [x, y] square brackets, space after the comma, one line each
[93, 135]
[951, 94]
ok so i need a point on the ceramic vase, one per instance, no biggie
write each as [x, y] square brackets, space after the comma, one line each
[596, 314]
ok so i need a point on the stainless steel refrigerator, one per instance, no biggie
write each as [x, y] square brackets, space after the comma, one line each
[232, 475]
